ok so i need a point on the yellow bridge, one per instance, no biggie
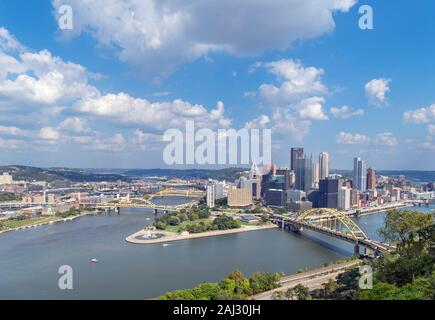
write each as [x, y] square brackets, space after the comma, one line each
[334, 223]
[146, 203]
[169, 192]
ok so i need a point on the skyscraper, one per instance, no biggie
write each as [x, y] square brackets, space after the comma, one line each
[344, 198]
[294, 154]
[304, 173]
[323, 165]
[315, 175]
[371, 178]
[328, 197]
[359, 174]
[211, 195]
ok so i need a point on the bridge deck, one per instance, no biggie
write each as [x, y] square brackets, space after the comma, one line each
[366, 242]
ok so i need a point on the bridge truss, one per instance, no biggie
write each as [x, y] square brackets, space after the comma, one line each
[334, 220]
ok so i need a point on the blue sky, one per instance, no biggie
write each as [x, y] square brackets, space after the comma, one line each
[102, 94]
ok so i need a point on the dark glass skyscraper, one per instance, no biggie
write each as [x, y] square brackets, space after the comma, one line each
[328, 193]
[304, 173]
[294, 154]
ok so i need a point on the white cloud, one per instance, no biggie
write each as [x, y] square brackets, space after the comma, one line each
[311, 109]
[158, 36]
[159, 115]
[346, 112]
[427, 146]
[49, 133]
[13, 131]
[431, 129]
[45, 81]
[294, 99]
[286, 124]
[349, 138]
[75, 124]
[8, 41]
[376, 91]
[82, 139]
[140, 137]
[422, 115]
[386, 139]
[296, 82]
[115, 143]
[258, 123]
[10, 143]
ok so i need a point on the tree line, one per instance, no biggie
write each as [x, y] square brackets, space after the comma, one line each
[234, 287]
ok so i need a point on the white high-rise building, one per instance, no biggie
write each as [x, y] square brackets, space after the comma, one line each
[220, 190]
[359, 174]
[211, 195]
[344, 199]
[315, 175]
[216, 190]
[323, 165]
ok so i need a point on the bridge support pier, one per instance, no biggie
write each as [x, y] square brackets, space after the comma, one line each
[294, 228]
[356, 250]
[368, 252]
[155, 211]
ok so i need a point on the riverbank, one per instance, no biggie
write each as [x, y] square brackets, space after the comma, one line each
[376, 210]
[46, 221]
[142, 236]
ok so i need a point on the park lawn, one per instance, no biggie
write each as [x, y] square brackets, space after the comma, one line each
[247, 224]
[187, 223]
[12, 224]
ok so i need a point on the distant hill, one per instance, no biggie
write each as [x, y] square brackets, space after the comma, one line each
[221, 174]
[410, 175]
[52, 174]
[229, 174]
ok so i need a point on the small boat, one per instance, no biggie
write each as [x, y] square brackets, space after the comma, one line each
[148, 219]
[165, 244]
[94, 260]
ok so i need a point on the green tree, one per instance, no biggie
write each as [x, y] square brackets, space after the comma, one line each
[401, 226]
[174, 221]
[278, 295]
[301, 293]
[380, 291]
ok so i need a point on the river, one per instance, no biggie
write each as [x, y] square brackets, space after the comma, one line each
[30, 259]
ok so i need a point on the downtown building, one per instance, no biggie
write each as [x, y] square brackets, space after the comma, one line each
[371, 179]
[304, 173]
[216, 190]
[344, 198]
[328, 193]
[323, 165]
[295, 153]
[239, 198]
[211, 195]
[359, 174]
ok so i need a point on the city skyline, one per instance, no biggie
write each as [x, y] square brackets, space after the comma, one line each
[95, 97]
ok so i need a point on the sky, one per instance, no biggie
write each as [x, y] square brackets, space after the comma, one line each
[103, 93]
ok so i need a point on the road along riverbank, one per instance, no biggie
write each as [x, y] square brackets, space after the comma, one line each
[312, 279]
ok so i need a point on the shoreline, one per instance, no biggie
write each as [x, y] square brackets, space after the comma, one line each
[172, 236]
[40, 224]
[380, 210]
